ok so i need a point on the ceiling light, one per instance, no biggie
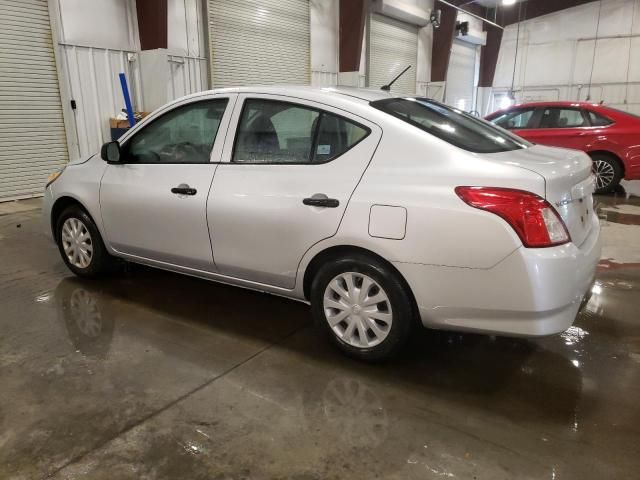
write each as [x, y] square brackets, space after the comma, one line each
[508, 2]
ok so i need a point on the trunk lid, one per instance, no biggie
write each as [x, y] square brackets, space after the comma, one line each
[569, 184]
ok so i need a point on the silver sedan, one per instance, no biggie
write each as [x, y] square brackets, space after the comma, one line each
[382, 212]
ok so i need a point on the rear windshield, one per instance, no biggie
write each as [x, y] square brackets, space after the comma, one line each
[623, 112]
[451, 125]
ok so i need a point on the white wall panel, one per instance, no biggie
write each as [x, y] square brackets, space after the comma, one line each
[324, 16]
[187, 75]
[556, 55]
[98, 23]
[321, 78]
[185, 28]
[634, 58]
[95, 86]
[425, 40]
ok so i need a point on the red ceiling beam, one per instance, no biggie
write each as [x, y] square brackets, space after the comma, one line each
[442, 41]
[152, 23]
[489, 56]
[353, 18]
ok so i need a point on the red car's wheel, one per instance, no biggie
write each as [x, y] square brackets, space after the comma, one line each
[607, 171]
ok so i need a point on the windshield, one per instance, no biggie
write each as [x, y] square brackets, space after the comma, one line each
[451, 125]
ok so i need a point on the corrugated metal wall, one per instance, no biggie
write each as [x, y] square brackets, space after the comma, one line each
[461, 75]
[394, 46]
[188, 75]
[92, 74]
[32, 132]
[259, 42]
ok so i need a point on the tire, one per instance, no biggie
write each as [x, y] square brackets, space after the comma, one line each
[608, 172]
[350, 326]
[88, 258]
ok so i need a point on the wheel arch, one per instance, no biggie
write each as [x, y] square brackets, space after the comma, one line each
[340, 251]
[609, 153]
[59, 206]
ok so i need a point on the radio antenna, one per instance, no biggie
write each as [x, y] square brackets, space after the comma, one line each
[387, 87]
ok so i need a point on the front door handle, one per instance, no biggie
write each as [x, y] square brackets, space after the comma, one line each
[321, 200]
[184, 189]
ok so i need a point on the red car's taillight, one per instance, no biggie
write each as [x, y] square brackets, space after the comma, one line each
[535, 221]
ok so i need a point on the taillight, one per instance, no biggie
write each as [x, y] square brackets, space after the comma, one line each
[535, 221]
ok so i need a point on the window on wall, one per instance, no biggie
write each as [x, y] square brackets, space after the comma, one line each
[515, 119]
[562, 118]
[281, 132]
[183, 135]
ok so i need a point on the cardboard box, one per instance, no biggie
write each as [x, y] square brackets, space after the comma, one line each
[115, 123]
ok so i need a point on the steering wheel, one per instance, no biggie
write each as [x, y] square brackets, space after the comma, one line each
[181, 152]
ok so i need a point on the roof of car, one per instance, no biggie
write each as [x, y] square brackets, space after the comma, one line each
[557, 104]
[365, 94]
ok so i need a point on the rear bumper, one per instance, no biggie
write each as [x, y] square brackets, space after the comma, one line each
[532, 292]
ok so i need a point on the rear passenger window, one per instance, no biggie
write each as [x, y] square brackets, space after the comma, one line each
[562, 118]
[282, 132]
[336, 135]
[598, 120]
[275, 132]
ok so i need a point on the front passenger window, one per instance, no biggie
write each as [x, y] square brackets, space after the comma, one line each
[183, 135]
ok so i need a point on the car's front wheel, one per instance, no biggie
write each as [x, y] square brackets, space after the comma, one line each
[364, 306]
[607, 171]
[80, 244]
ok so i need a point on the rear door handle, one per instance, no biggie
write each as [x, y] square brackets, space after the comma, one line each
[321, 200]
[184, 189]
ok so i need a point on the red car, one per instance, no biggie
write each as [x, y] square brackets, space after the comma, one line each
[611, 137]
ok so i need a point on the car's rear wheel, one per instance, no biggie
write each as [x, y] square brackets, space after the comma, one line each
[81, 245]
[607, 171]
[364, 307]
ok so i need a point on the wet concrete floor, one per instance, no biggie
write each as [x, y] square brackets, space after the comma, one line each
[156, 375]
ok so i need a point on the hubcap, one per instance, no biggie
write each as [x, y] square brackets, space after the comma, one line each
[604, 173]
[358, 310]
[77, 243]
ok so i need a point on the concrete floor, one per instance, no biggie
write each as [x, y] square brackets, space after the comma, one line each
[155, 375]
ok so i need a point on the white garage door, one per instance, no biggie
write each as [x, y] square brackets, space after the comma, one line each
[259, 42]
[460, 86]
[393, 47]
[32, 135]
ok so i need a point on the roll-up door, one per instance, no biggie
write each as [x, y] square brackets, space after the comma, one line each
[393, 47]
[259, 42]
[32, 134]
[460, 86]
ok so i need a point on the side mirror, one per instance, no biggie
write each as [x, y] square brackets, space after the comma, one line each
[110, 152]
